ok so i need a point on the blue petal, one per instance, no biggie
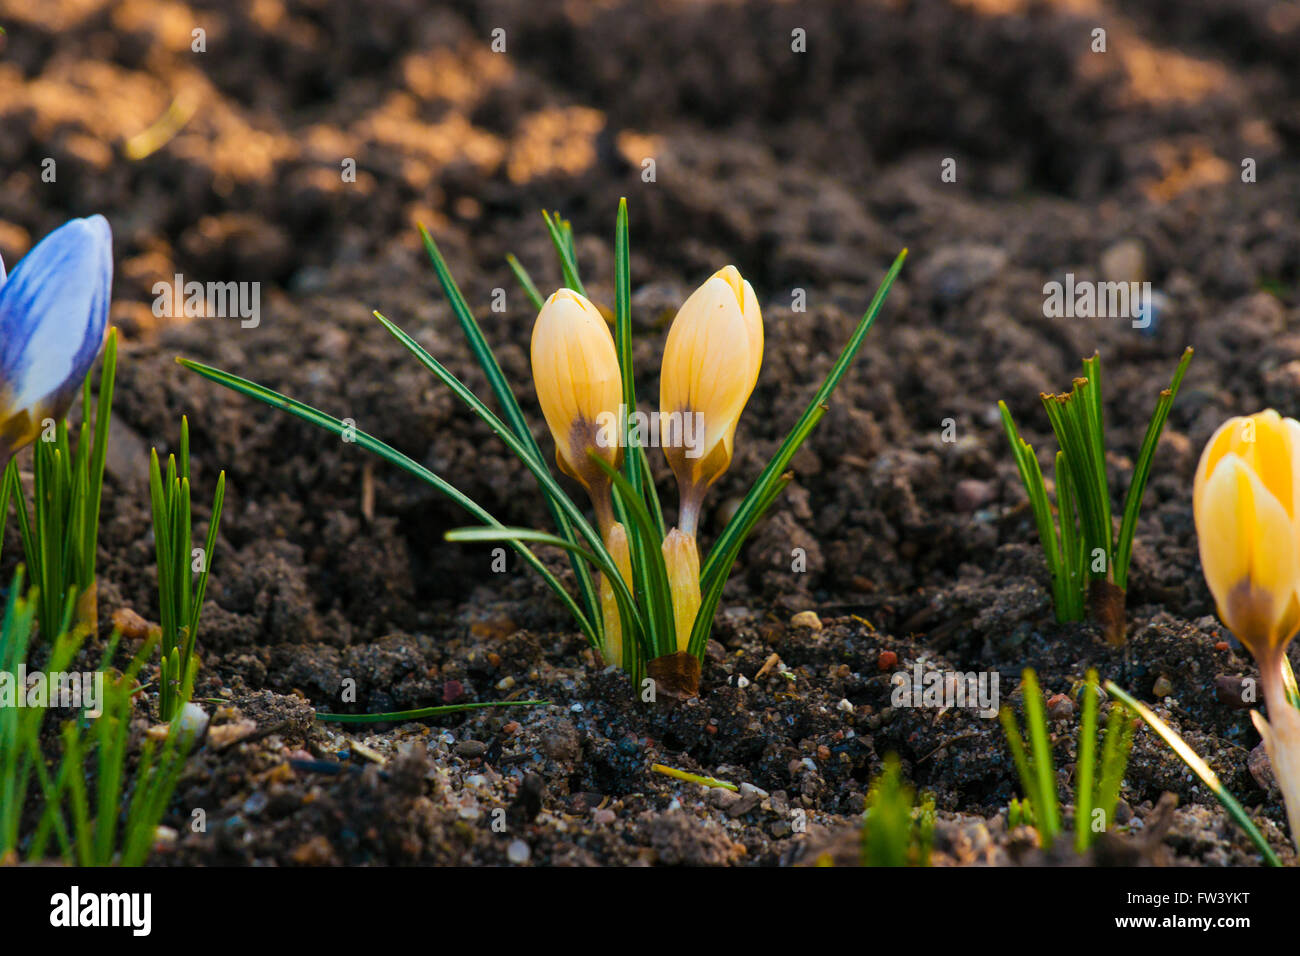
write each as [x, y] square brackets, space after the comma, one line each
[53, 309]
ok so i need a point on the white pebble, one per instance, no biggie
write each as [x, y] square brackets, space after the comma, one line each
[194, 719]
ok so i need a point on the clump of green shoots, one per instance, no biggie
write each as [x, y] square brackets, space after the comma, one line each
[1096, 781]
[20, 726]
[60, 533]
[180, 596]
[896, 831]
[644, 594]
[117, 826]
[92, 806]
[1088, 560]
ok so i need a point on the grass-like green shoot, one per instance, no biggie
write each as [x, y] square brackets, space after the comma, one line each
[60, 532]
[1088, 559]
[422, 713]
[1096, 782]
[896, 831]
[180, 596]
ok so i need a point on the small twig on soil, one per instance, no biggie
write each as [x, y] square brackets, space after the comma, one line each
[693, 777]
[946, 744]
[256, 735]
[768, 664]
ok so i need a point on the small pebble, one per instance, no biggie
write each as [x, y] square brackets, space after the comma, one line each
[742, 805]
[603, 817]
[845, 705]
[808, 619]
[1123, 812]
[131, 624]
[518, 852]
[1231, 690]
[887, 661]
[971, 494]
[722, 798]
[471, 748]
[1060, 707]
[1124, 261]
[742, 681]
[256, 803]
[227, 734]
[194, 719]
[1162, 687]
[315, 852]
[505, 683]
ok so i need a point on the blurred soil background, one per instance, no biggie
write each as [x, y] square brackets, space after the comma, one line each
[808, 171]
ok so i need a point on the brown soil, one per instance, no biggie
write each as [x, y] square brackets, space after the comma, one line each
[807, 171]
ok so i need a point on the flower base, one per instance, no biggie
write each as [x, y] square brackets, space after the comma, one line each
[1106, 601]
[675, 675]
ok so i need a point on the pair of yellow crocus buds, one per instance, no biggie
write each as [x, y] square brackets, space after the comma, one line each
[1246, 500]
[710, 364]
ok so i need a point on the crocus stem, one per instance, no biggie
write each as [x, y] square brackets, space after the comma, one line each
[1281, 733]
[603, 505]
[692, 498]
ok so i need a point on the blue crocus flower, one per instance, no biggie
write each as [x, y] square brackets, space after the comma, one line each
[53, 311]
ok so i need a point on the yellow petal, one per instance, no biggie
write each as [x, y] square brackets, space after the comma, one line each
[1269, 456]
[1268, 444]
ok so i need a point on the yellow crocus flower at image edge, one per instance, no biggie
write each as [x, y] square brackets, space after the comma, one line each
[1246, 500]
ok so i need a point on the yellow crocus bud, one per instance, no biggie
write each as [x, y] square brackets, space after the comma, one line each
[1246, 499]
[576, 375]
[711, 362]
[616, 542]
[682, 560]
